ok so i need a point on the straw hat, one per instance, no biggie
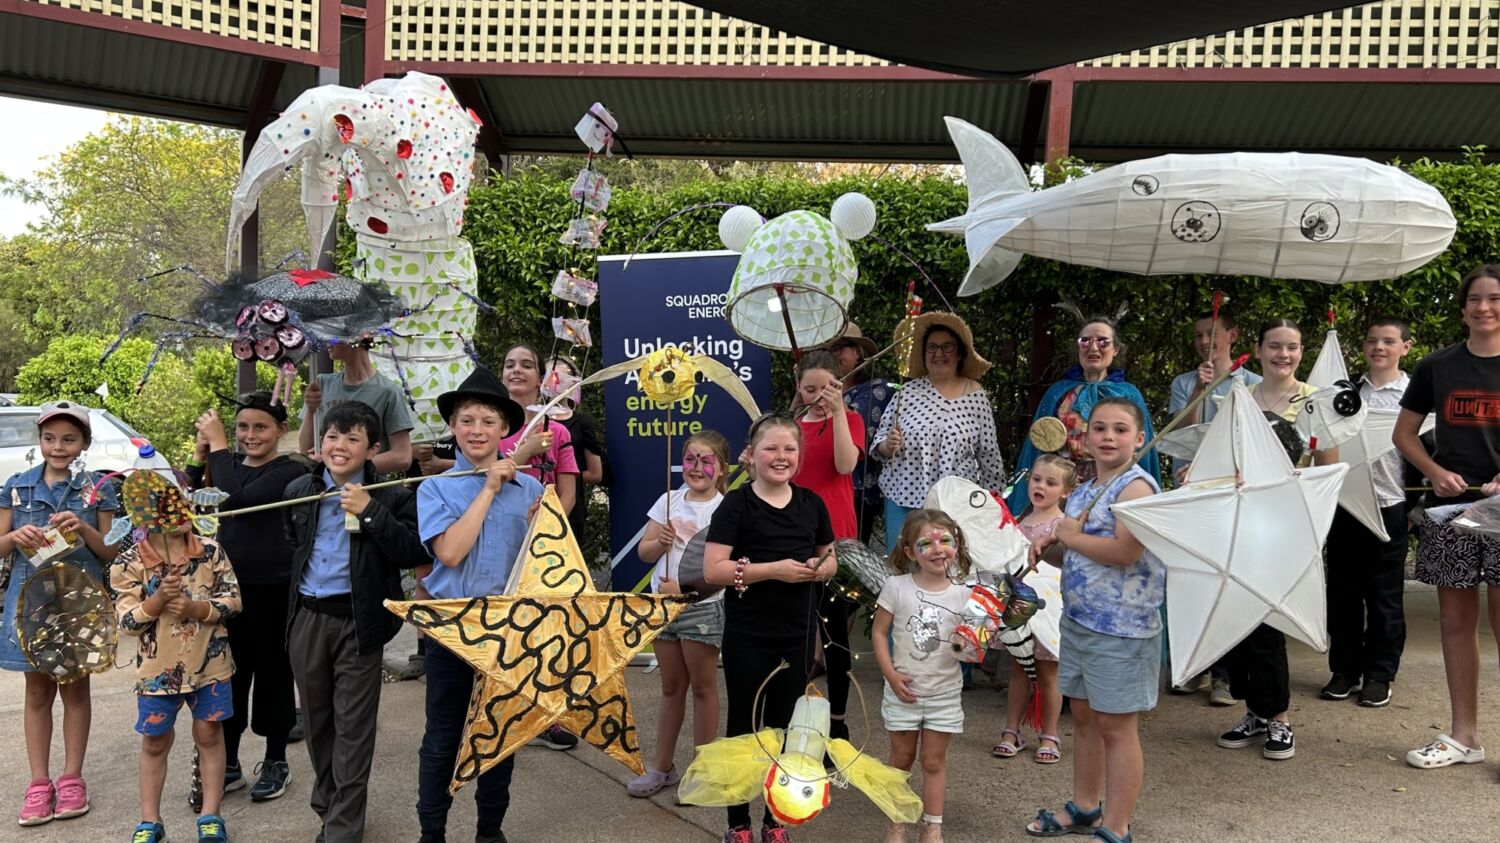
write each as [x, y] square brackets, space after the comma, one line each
[974, 365]
[852, 334]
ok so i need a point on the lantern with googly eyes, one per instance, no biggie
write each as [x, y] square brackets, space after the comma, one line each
[1335, 413]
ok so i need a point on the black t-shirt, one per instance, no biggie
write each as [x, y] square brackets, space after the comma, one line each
[583, 440]
[1464, 391]
[762, 533]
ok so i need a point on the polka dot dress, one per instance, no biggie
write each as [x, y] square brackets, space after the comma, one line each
[941, 438]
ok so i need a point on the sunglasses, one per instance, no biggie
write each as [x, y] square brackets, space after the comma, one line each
[1101, 342]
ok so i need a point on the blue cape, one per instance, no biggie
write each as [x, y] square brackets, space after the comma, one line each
[1113, 386]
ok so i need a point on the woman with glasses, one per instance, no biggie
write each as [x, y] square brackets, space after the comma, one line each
[1071, 399]
[940, 424]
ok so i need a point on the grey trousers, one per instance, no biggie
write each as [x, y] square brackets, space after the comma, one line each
[340, 693]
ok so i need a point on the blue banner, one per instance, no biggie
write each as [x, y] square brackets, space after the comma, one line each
[668, 299]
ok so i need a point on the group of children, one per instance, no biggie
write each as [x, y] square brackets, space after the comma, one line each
[768, 541]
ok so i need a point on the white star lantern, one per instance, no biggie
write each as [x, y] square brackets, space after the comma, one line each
[1367, 440]
[1242, 540]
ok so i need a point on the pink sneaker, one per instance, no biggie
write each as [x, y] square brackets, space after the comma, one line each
[72, 798]
[37, 809]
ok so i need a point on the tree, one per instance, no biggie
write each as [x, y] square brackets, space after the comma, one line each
[130, 200]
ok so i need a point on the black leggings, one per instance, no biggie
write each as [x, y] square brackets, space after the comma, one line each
[836, 656]
[747, 662]
[1258, 672]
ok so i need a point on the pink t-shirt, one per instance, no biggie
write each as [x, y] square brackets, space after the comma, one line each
[1037, 532]
[558, 459]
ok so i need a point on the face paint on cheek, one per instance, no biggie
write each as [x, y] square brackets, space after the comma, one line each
[708, 469]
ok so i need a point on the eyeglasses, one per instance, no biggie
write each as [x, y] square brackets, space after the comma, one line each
[697, 461]
[1101, 342]
[942, 348]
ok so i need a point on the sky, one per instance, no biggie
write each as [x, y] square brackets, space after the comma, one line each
[22, 153]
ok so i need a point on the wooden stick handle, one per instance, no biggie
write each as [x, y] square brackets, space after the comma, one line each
[404, 481]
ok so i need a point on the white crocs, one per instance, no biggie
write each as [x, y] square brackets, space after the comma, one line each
[1444, 752]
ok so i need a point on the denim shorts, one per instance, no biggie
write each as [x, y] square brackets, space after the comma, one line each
[1115, 675]
[700, 623]
[158, 712]
[940, 713]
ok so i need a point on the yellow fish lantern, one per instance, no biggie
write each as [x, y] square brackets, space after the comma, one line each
[797, 786]
[668, 375]
[786, 767]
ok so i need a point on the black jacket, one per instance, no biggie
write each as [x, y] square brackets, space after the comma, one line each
[386, 543]
[255, 543]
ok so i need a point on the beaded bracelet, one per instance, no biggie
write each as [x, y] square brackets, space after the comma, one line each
[739, 575]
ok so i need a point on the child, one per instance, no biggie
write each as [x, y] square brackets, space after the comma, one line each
[51, 495]
[914, 622]
[262, 565]
[473, 526]
[1258, 672]
[1110, 658]
[1366, 624]
[175, 592]
[771, 542]
[359, 382]
[833, 439]
[1052, 478]
[688, 650]
[337, 623]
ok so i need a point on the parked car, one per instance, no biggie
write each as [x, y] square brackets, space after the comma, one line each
[114, 446]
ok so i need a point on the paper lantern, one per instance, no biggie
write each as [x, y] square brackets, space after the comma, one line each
[737, 225]
[1242, 540]
[1323, 218]
[793, 282]
[1362, 438]
[853, 214]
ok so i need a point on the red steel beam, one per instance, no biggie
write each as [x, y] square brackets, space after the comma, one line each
[375, 37]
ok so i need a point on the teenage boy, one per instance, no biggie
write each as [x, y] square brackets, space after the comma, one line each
[175, 591]
[347, 552]
[473, 526]
[1221, 335]
[1366, 621]
[359, 382]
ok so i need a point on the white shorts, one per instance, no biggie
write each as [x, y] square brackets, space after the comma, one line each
[941, 713]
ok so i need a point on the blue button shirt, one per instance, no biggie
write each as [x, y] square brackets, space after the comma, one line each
[327, 571]
[443, 500]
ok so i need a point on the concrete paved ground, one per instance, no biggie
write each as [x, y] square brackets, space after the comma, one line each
[1347, 782]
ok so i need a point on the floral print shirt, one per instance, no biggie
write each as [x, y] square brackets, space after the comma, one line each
[177, 655]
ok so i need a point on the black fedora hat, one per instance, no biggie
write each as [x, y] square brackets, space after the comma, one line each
[484, 386]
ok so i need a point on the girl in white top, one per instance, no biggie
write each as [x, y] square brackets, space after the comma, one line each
[688, 650]
[913, 636]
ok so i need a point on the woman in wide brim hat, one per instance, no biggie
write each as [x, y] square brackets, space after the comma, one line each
[970, 364]
[941, 423]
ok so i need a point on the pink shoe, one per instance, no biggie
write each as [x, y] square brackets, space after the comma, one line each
[37, 809]
[72, 798]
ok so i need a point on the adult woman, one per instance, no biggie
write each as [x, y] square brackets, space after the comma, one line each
[940, 425]
[1458, 384]
[1072, 398]
[867, 397]
[1257, 666]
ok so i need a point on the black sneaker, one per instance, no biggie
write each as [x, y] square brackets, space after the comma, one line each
[1339, 687]
[1280, 744]
[1249, 730]
[234, 778]
[555, 737]
[1375, 693]
[497, 837]
[272, 781]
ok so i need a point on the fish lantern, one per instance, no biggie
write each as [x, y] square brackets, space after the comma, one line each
[796, 274]
[786, 767]
[1327, 218]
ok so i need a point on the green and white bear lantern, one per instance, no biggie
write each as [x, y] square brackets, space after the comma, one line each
[796, 273]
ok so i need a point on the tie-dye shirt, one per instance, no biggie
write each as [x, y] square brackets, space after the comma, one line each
[1119, 600]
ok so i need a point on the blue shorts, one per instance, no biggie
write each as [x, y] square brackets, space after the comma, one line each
[1115, 675]
[158, 713]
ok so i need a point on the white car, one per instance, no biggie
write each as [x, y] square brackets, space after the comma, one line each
[114, 445]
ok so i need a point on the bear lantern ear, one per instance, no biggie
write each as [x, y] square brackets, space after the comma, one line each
[853, 214]
[738, 225]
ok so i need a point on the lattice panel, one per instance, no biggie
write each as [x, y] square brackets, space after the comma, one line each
[282, 23]
[594, 31]
[1394, 33]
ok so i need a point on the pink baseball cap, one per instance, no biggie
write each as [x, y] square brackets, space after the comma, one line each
[73, 412]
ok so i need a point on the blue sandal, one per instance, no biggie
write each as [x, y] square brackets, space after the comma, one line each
[1083, 822]
[1108, 836]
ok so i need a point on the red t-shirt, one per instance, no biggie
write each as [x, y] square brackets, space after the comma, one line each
[817, 474]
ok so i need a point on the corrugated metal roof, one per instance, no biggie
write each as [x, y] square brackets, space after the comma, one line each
[44, 59]
[757, 117]
[1115, 121]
